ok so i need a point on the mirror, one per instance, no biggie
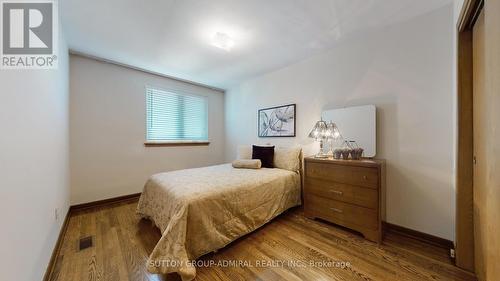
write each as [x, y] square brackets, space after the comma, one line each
[357, 124]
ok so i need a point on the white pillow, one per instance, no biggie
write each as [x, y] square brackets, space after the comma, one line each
[287, 158]
[244, 152]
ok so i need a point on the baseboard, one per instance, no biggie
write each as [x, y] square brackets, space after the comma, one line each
[105, 202]
[424, 237]
[57, 248]
[76, 208]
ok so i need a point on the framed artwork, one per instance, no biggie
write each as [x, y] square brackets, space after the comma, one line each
[278, 121]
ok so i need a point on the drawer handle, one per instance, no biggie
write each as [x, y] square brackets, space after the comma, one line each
[336, 210]
[336, 192]
[365, 177]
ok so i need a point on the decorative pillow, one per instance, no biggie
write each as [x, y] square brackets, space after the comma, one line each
[247, 163]
[287, 158]
[244, 152]
[265, 154]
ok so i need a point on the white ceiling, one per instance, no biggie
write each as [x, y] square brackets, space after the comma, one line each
[173, 37]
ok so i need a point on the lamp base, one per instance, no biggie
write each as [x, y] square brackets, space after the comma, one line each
[321, 155]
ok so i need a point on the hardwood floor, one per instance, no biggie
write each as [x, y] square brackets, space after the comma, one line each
[122, 243]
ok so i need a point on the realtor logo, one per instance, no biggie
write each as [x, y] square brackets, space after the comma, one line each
[29, 34]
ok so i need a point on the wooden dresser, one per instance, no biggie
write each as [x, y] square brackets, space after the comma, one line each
[346, 192]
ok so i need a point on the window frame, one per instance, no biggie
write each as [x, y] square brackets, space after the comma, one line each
[186, 142]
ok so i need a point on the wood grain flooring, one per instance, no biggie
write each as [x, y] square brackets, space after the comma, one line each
[291, 247]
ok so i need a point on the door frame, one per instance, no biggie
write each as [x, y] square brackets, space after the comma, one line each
[464, 239]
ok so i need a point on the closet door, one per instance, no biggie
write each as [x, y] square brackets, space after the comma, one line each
[486, 139]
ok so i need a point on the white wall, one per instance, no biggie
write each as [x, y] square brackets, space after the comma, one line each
[406, 71]
[33, 166]
[107, 131]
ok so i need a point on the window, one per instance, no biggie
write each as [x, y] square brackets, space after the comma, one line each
[175, 117]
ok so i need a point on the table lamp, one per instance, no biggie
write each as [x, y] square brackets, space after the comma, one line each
[324, 131]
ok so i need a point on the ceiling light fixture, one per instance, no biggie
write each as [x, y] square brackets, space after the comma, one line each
[223, 41]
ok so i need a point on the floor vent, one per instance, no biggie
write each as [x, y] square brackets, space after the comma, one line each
[85, 242]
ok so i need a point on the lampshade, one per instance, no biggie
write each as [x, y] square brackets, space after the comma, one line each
[319, 130]
[333, 131]
[322, 130]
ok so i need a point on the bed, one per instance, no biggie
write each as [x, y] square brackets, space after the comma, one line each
[203, 209]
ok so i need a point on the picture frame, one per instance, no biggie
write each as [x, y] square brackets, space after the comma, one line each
[277, 121]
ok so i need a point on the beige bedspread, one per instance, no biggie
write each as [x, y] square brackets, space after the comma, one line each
[202, 210]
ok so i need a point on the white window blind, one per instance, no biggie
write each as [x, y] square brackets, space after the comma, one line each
[176, 117]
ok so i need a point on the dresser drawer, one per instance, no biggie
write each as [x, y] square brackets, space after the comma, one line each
[365, 197]
[354, 175]
[341, 213]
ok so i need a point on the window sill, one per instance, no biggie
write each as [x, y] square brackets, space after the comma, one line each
[176, 143]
